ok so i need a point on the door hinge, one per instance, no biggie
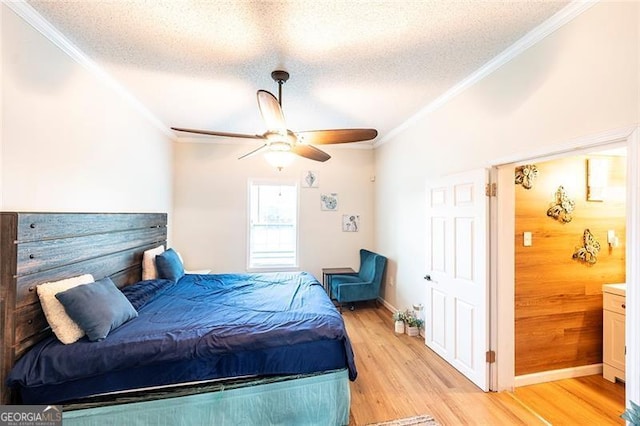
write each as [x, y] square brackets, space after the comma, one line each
[491, 357]
[491, 189]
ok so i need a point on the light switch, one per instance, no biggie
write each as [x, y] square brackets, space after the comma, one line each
[527, 239]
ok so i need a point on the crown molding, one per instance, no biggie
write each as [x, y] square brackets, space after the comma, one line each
[558, 20]
[37, 21]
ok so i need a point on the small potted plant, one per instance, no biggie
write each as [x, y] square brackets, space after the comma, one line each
[398, 318]
[632, 414]
[413, 325]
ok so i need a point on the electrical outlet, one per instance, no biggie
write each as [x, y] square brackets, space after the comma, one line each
[527, 239]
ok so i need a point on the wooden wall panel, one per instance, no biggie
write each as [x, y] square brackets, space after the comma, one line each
[558, 300]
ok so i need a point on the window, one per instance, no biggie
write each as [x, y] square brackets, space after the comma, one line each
[273, 224]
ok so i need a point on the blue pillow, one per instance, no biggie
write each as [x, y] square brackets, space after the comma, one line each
[144, 291]
[169, 265]
[98, 308]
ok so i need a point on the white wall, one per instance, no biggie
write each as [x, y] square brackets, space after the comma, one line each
[69, 141]
[210, 205]
[580, 80]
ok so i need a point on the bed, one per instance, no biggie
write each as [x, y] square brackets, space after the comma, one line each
[225, 348]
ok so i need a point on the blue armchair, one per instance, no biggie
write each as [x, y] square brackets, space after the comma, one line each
[365, 285]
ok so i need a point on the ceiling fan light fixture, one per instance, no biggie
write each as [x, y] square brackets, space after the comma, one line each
[281, 146]
[279, 159]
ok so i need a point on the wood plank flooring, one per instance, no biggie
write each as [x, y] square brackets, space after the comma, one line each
[583, 400]
[398, 376]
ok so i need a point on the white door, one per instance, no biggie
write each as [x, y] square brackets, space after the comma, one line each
[457, 305]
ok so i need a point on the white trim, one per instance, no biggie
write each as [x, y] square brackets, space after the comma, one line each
[257, 269]
[632, 314]
[553, 375]
[387, 305]
[581, 143]
[534, 36]
[492, 265]
[38, 22]
[502, 265]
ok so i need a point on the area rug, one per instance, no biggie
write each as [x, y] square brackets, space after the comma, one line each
[423, 420]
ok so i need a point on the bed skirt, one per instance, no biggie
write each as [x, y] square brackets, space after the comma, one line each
[322, 399]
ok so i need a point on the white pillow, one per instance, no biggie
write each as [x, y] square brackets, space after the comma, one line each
[149, 271]
[65, 329]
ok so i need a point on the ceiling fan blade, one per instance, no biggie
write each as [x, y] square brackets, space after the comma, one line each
[255, 151]
[213, 133]
[271, 111]
[310, 152]
[336, 136]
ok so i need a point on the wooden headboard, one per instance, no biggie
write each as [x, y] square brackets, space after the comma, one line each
[39, 247]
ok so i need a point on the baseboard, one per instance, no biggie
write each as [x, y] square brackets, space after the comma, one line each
[552, 375]
[387, 305]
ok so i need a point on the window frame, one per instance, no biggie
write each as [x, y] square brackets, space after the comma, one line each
[276, 268]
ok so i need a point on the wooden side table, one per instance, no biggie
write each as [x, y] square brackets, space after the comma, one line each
[328, 272]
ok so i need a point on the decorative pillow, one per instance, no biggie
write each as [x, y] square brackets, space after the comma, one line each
[149, 271]
[169, 265]
[65, 329]
[98, 308]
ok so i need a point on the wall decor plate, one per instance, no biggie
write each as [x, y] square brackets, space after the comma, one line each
[309, 179]
[350, 222]
[329, 202]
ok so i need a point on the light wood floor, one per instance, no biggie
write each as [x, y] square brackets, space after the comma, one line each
[398, 376]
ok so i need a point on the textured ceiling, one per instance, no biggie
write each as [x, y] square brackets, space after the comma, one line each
[362, 63]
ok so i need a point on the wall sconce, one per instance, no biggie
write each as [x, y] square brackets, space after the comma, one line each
[597, 178]
[612, 240]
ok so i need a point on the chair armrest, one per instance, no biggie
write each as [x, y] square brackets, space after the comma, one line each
[345, 278]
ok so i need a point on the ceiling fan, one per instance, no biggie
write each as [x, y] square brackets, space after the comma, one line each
[279, 139]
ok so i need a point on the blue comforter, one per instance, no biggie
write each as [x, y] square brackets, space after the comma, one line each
[202, 327]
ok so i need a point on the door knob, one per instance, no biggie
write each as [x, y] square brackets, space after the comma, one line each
[428, 278]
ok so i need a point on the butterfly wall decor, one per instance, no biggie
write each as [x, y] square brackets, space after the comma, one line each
[589, 252]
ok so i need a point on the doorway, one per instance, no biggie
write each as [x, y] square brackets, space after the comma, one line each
[504, 241]
[570, 227]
